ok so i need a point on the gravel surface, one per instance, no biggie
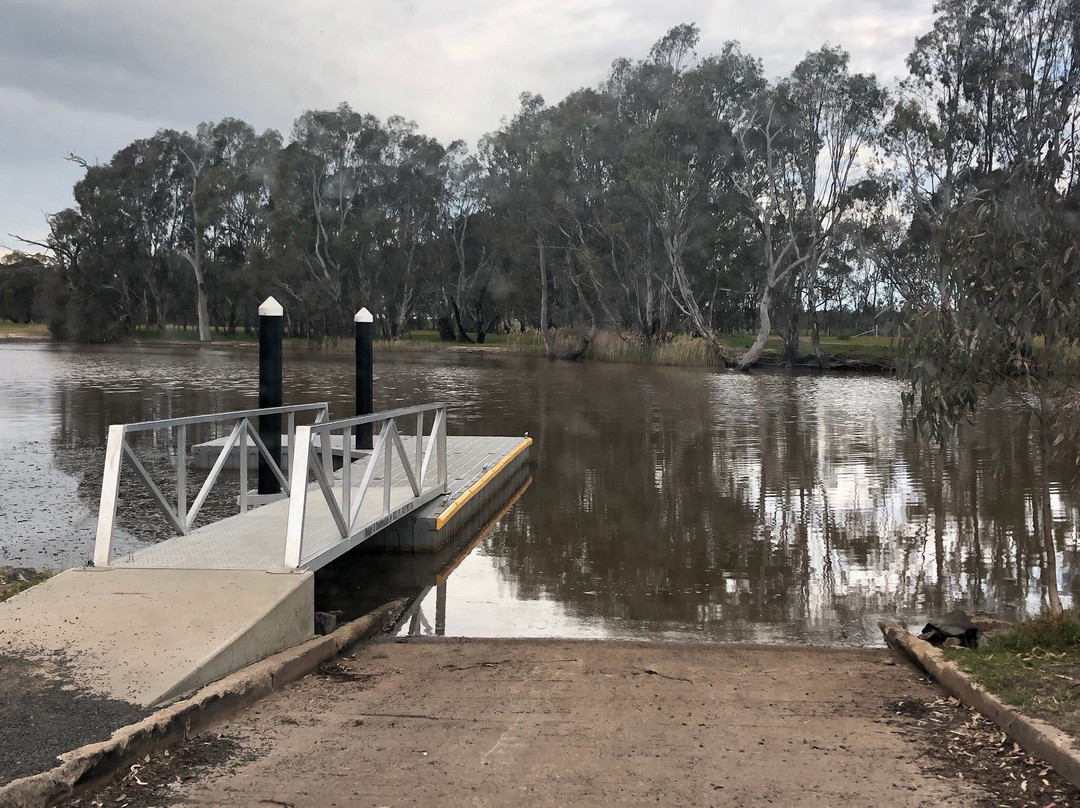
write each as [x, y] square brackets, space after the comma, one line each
[41, 718]
[150, 783]
[41, 713]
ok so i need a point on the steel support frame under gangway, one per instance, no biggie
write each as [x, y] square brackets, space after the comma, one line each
[312, 452]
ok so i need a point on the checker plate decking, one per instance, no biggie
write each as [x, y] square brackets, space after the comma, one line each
[256, 540]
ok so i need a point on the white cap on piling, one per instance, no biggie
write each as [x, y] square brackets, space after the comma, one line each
[363, 316]
[271, 308]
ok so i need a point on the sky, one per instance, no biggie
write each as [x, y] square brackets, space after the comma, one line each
[87, 77]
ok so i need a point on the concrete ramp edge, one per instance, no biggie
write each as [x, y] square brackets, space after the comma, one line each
[93, 764]
[1039, 738]
[286, 624]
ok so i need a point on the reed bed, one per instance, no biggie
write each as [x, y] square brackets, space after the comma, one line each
[609, 346]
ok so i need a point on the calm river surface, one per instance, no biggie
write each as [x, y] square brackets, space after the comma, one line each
[685, 504]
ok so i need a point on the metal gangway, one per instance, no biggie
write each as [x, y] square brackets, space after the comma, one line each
[323, 512]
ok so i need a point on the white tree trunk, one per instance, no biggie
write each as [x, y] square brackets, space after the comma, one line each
[549, 343]
[202, 305]
[764, 327]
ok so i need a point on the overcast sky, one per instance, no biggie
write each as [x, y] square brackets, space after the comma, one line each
[90, 76]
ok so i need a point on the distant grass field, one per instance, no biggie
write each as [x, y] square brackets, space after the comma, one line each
[870, 346]
[23, 330]
[176, 334]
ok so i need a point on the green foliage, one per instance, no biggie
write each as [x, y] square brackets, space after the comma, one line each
[1010, 310]
[1032, 666]
[21, 277]
[987, 133]
[1038, 635]
[994, 208]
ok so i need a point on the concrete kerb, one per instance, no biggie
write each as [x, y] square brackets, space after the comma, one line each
[1037, 737]
[94, 763]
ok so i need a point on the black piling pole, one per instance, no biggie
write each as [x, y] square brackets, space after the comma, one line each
[365, 333]
[270, 334]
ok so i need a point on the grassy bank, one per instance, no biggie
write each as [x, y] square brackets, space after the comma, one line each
[14, 580]
[863, 352]
[1034, 666]
[688, 351]
[680, 351]
[609, 346]
[12, 331]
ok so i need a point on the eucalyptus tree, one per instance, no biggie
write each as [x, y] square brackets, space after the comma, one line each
[518, 192]
[21, 276]
[149, 206]
[221, 174]
[1031, 83]
[467, 277]
[580, 155]
[195, 155]
[413, 190]
[729, 84]
[1012, 323]
[236, 202]
[477, 288]
[670, 214]
[638, 269]
[62, 289]
[994, 209]
[326, 189]
[562, 166]
[133, 215]
[804, 147]
[91, 295]
[678, 153]
[841, 117]
[869, 255]
[935, 138]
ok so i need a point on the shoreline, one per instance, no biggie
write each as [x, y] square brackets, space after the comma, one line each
[841, 362]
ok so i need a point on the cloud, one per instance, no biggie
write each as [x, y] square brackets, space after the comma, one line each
[90, 76]
[99, 57]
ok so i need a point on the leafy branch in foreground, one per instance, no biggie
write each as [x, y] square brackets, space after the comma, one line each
[1008, 320]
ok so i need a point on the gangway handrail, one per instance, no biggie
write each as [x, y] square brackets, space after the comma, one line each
[181, 519]
[345, 504]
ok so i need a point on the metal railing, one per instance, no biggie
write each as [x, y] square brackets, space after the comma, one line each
[182, 518]
[345, 501]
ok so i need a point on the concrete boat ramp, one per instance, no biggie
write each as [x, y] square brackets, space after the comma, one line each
[153, 625]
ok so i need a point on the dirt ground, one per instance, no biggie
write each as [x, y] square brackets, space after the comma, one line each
[453, 722]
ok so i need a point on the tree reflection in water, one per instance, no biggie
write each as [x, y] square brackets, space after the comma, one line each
[774, 507]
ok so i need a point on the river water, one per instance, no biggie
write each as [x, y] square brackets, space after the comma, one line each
[675, 503]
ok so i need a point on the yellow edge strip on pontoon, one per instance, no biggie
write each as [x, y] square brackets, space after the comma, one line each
[479, 485]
